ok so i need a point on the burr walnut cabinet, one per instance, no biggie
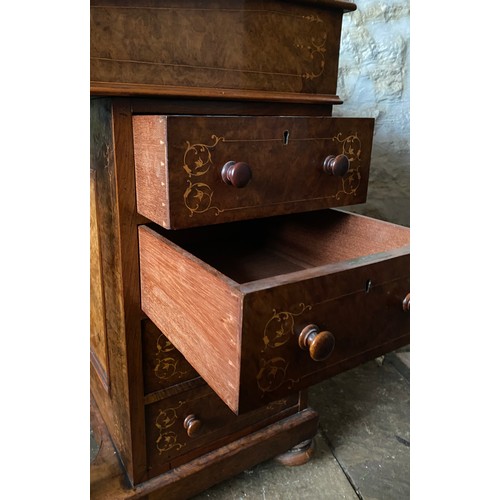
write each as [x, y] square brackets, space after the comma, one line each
[225, 280]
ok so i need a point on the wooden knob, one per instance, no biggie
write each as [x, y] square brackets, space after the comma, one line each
[336, 165]
[192, 425]
[237, 174]
[319, 344]
[406, 303]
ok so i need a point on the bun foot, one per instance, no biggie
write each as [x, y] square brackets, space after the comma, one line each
[298, 455]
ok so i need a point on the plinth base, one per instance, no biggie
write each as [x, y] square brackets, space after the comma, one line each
[108, 480]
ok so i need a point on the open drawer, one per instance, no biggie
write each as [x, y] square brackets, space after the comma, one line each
[264, 308]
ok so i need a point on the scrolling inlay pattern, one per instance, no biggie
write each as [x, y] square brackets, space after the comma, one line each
[351, 147]
[198, 196]
[167, 439]
[197, 162]
[166, 365]
[278, 331]
[315, 49]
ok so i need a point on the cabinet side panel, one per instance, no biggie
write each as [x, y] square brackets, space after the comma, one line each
[121, 412]
[98, 344]
[102, 163]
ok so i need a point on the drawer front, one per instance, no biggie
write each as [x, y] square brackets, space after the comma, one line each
[163, 365]
[194, 171]
[358, 313]
[179, 426]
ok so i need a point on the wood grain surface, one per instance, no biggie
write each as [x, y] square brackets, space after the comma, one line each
[112, 159]
[216, 48]
[179, 160]
[169, 444]
[98, 340]
[107, 481]
[196, 307]
[163, 365]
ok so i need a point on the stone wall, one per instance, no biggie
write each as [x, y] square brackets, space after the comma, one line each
[374, 80]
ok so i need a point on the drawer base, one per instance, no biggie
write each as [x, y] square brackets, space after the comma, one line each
[108, 481]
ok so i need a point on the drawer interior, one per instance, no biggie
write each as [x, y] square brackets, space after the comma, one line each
[255, 250]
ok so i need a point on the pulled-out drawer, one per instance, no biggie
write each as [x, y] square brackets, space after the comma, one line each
[203, 170]
[264, 308]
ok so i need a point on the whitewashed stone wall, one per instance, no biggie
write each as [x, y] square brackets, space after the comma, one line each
[374, 80]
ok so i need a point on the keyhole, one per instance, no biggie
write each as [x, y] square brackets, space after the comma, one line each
[286, 136]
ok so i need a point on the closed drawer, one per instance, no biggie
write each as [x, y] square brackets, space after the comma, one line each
[239, 301]
[195, 171]
[197, 418]
[163, 365]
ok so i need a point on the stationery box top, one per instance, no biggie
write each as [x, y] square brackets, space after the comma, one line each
[255, 50]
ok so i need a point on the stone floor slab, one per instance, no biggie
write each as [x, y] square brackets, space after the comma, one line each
[401, 361]
[321, 478]
[365, 417]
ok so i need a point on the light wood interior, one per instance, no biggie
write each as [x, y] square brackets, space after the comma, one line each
[252, 250]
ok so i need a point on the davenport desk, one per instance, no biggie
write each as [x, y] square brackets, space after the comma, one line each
[224, 279]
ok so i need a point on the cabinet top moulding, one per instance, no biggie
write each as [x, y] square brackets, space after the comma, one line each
[278, 50]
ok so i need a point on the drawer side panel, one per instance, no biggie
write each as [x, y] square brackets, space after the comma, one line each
[199, 313]
[150, 156]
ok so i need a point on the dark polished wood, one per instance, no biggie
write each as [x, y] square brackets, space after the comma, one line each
[192, 425]
[107, 481]
[237, 174]
[319, 344]
[164, 366]
[196, 421]
[143, 90]
[179, 160]
[184, 48]
[336, 165]
[406, 303]
[121, 403]
[98, 338]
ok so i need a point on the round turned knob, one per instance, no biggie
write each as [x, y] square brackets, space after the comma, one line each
[192, 425]
[406, 303]
[319, 344]
[237, 174]
[336, 165]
